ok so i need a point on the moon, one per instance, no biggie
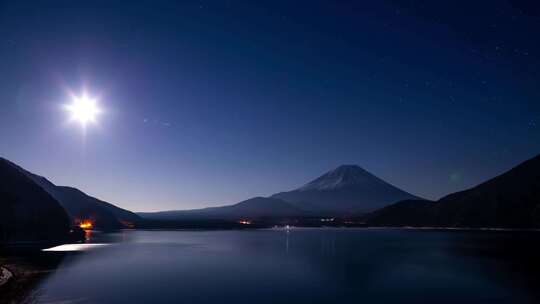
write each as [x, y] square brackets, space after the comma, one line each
[83, 109]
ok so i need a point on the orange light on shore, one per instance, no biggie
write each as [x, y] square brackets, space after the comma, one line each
[244, 222]
[86, 224]
[127, 224]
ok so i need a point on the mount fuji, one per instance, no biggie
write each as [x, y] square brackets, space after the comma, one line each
[345, 190]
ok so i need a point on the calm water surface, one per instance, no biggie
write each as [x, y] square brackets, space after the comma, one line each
[299, 266]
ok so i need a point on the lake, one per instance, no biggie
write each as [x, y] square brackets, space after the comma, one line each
[299, 266]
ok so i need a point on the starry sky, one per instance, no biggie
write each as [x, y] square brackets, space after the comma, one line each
[213, 102]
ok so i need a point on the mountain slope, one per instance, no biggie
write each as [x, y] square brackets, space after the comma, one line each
[415, 213]
[254, 208]
[27, 212]
[81, 206]
[510, 200]
[344, 190]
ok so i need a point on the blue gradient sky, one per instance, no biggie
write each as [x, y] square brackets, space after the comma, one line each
[208, 103]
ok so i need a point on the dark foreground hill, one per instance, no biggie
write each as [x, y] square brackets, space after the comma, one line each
[82, 207]
[510, 200]
[27, 212]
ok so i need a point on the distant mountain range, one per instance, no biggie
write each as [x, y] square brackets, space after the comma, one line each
[254, 208]
[345, 190]
[510, 200]
[32, 209]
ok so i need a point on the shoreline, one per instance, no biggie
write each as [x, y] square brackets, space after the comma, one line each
[21, 274]
[291, 227]
[5, 275]
[422, 229]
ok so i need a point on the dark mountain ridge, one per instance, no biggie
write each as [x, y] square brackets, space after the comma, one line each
[510, 200]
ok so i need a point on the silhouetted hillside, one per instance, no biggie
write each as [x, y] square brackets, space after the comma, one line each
[27, 212]
[404, 213]
[510, 200]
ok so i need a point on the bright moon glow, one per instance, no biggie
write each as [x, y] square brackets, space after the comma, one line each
[83, 109]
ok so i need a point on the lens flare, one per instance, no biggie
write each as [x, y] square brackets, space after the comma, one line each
[83, 109]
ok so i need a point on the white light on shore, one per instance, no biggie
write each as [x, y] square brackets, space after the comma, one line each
[75, 247]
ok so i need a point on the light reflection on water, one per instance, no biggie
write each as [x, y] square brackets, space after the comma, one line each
[75, 247]
[302, 266]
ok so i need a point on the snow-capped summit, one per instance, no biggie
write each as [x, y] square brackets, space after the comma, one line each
[342, 176]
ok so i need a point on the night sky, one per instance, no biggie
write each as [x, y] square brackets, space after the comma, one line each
[208, 103]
